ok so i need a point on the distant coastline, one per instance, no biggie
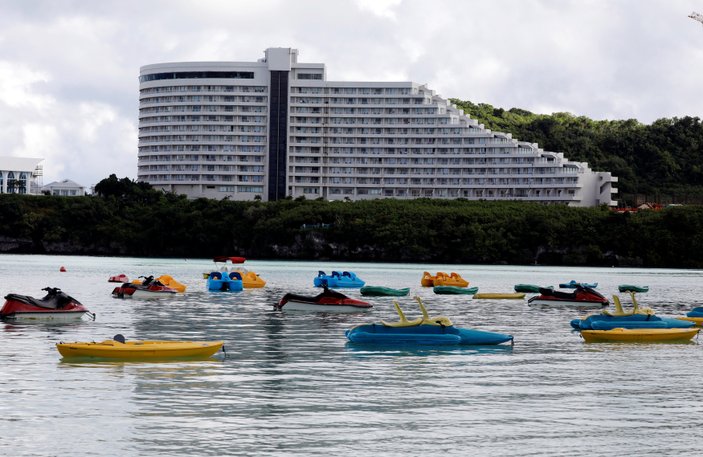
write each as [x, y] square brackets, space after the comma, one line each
[148, 223]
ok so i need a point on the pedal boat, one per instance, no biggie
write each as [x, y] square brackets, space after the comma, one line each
[222, 281]
[640, 335]
[443, 279]
[223, 261]
[250, 280]
[55, 305]
[451, 279]
[149, 288]
[638, 317]
[425, 330]
[380, 291]
[528, 288]
[581, 297]
[169, 281]
[336, 280]
[500, 296]
[453, 290]
[329, 301]
[573, 284]
[695, 316]
[120, 349]
[427, 279]
[632, 288]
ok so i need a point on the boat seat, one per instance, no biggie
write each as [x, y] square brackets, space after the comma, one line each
[619, 312]
[618, 309]
[442, 321]
[403, 322]
[119, 338]
[48, 302]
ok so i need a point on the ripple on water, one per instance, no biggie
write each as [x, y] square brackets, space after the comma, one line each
[292, 384]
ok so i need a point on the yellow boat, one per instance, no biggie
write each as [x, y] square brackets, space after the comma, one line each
[696, 320]
[166, 280]
[451, 279]
[640, 335]
[250, 280]
[140, 350]
[501, 296]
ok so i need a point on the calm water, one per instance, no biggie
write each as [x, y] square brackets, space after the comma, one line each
[291, 385]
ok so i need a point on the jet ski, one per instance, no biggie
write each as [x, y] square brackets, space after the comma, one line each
[581, 297]
[327, 301]
[149, 288]
[56, 305]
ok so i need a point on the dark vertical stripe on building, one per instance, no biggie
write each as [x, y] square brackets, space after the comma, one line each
[278, 134]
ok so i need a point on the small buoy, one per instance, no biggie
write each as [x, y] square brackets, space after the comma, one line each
[63, 269]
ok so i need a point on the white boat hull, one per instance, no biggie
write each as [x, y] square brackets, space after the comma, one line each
[64, 316]
[151, 294]
[567, 304]
[302, 306]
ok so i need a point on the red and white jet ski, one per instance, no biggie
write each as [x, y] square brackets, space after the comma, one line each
[56, 305]
[581, 297]
[149, 288]
[327, 301]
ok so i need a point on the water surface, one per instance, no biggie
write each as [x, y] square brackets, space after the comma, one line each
[292, 385]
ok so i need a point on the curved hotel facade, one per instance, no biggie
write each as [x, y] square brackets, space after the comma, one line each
[277, 128]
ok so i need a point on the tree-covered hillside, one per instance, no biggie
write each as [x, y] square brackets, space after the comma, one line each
[129, 218]
[661, 162]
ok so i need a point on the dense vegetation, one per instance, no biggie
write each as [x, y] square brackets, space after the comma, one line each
[661, 162]
[129, 218]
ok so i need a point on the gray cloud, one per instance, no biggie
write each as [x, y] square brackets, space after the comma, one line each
[69, 68]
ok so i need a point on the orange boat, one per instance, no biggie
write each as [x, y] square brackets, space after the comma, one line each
[443, 279]
[427, 279]
[452, 279]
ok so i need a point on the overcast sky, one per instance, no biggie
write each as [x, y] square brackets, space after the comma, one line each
[69, 68]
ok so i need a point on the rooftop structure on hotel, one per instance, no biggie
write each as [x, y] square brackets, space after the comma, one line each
[277, 128]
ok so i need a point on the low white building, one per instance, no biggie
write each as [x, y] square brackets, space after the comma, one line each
[278, 128]
[20, 175]
[65, 188]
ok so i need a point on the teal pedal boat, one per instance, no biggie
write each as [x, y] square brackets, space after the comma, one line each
[380, 291]
[425, 330]
[637, 318]
[453, 290]
[529, 288]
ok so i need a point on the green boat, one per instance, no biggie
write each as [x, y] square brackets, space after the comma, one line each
[529, 288]
[631, 288]
[380, 291]
[453, 290]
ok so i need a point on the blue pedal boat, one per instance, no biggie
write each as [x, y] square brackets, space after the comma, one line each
[642, 318]
[337, 280]
[222, 281]
[574, 284]
[425, 330]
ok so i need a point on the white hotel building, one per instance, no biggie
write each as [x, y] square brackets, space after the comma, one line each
[277, 128]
